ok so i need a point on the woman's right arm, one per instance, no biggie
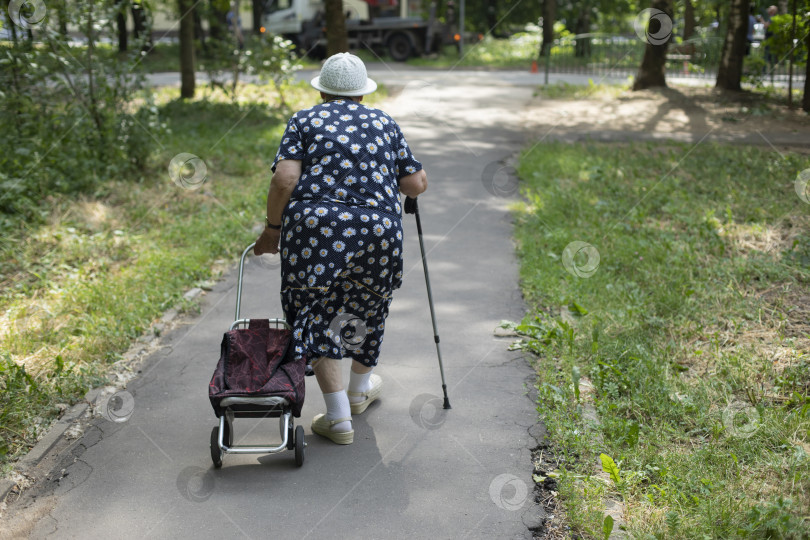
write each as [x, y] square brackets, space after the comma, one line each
[288, 171]
[414, 184]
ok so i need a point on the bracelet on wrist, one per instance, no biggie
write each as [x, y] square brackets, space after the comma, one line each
[270, 225]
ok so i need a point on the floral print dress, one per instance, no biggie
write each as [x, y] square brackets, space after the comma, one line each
[341, 238]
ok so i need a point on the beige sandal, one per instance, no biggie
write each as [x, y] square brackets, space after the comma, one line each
[371, 395]
[323, 427]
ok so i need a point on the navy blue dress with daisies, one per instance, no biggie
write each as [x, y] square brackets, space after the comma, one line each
[341, 238]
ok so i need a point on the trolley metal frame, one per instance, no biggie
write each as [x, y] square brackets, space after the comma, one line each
[255, 407]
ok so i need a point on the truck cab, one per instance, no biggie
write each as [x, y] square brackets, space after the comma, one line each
[369, 24]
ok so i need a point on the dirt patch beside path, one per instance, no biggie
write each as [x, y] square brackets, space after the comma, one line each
[681, 113]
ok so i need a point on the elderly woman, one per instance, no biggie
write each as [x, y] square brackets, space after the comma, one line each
[333, 210]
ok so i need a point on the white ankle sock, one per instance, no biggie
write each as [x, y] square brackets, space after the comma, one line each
[359, 383]
[337, 406]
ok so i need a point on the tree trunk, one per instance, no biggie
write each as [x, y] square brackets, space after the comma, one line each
[729, 74]
[199, 33]
[121, 24]
[138, 20]
[257, 16]
[13, 27]
[492, 18]
[549, 15]
[61, 14]
[217, 23]
[582, 47]
[688, 20]
[806, 97]
[336, 38]
[187, 81]
[236, 27]
[652, 72]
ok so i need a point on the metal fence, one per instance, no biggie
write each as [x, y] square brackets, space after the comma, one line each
[617, 55]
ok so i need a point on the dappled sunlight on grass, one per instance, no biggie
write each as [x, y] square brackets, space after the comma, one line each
[692, 328]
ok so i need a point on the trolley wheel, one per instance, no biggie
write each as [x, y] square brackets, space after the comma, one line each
[299, 445]
[291, 435]
[216, 453]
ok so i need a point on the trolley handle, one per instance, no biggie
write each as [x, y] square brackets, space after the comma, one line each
[239, 280]
[236, 320]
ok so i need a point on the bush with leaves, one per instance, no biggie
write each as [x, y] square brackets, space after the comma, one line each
[270, 59]
[73, 114]
[781, 42]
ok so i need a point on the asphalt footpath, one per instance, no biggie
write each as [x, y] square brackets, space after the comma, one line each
[415, 470]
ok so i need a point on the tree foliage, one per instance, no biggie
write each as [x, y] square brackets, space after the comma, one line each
[67, 111]
[337, 39]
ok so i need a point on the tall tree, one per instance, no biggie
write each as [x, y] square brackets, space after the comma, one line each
[217, 19]
[806, 97]
[582, 47]
[121, 24]
[257, 8]
[62, 16]
[139, 18]
[688, 19]
[657, 33]
[549, 15]
[337, 40]
[492, 17]
[187, 80]
[199, 33]
[729, 74]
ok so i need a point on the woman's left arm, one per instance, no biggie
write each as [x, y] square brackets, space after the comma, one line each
[288, 171]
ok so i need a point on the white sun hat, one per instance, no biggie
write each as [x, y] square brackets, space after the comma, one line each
[344, 74]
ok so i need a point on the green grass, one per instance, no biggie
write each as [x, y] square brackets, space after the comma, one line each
[690, 339]
[162, 57]
[564, 90]
[78, 289]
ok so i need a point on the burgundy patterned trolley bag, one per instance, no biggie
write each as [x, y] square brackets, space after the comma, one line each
[257, 362]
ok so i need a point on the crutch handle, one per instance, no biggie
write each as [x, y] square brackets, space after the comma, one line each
[410, 205]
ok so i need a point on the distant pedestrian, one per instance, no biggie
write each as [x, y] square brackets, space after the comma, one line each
[749, 38]
[234, 22]
[766, 21]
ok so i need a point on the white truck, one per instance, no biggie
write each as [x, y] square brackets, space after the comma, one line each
[368, 24]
